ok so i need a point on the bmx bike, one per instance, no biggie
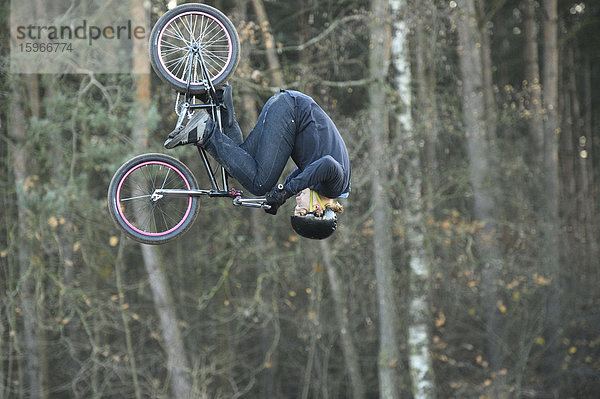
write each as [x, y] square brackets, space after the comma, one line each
[154, 197]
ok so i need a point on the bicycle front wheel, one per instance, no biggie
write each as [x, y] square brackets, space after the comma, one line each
[189, 29]
[145, 217]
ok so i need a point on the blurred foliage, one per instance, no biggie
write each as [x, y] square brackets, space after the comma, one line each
[251, 296]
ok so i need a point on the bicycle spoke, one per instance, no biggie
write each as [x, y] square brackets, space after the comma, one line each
[173, 52]
[136, 197]
[187, 24]
[142, 216]
[214, 61]
[177, 204]
[181, 66]
[166, 211]
[142, 212]
[155, 177]
[166, 177]
[215, 54]
[195, 27]
[202, 29]
[162, 213]
[179, 34]
[176, 63]
[219, 35]
[136, 187]
[172, 220]
[207, 32]
[153, 222]
[174, 36]
[171, 45]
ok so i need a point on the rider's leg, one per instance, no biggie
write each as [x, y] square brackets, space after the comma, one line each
[259, 161]
[231, 128]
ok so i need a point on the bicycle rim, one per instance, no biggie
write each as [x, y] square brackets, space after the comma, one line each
[179, 34]
[142, 214]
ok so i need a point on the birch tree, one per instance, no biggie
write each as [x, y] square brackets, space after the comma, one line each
[419, 358]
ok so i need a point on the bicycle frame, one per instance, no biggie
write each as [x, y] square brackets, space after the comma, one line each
[213, 106]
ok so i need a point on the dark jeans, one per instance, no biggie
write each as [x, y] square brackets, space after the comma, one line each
[258, 162]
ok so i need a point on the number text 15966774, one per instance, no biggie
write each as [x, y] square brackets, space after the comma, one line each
[37, 47]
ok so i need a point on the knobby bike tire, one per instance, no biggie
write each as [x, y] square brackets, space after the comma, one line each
[171, 41]
[132, 209]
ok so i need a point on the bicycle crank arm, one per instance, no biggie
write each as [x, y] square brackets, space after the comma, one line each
[251, 202]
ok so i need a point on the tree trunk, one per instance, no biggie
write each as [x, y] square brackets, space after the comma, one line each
[589, 160]
[389, 351]
[272, 59]
[313, 325]
[549, 208]
[21, 164]
[33, 99]
[268, 384]
[419, 358]
[425, 107]
[486, 64]
[177, 363]
[124, 319]
[575, 164]
[267, 378]
[532, 79]
[341, 313]
[480, 174]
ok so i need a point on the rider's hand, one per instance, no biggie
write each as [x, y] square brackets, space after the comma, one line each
[276, 197]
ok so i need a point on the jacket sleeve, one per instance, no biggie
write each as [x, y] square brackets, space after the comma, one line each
[291, 176]
[323, 175]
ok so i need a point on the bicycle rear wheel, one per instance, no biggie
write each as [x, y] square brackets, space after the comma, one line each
[148, 219]
[184, 29]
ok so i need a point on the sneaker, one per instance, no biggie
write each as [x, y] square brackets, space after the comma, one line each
[192, 133]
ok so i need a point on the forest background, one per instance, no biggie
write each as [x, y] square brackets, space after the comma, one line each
[465, 264]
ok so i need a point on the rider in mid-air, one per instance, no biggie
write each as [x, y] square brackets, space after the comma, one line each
[291, 124]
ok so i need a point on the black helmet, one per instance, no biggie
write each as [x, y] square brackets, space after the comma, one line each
[315, 227]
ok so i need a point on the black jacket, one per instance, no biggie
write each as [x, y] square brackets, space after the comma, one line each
[319, 151]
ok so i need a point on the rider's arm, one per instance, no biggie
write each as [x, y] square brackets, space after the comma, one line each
[323, 173]
[291, 176]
